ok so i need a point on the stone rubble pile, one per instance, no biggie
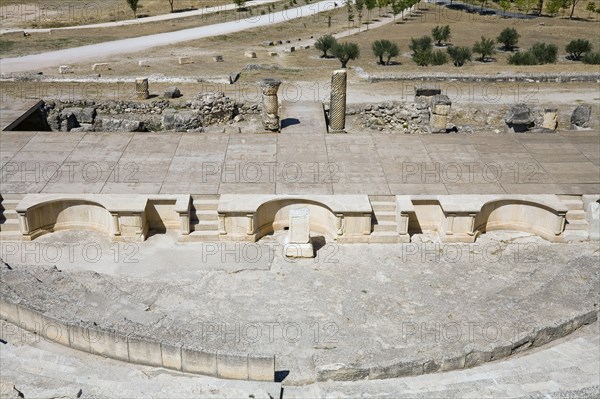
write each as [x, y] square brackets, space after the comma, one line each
[403, 117]
[206, 109]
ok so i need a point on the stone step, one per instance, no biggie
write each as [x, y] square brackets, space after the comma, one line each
[573, 204]
[564, 197]
[382, 198]
[385, 226]
[17, 197]
[383, 206]
[9, 235]
[10, 215]
[206, 204]
[385, 237]
[203, 235]
[205, 197]
[10, 225]
[206, 225]
[206, 214]
[577, 225]
[10, 204]
[385, 216]
[576, 235]
[576, 215]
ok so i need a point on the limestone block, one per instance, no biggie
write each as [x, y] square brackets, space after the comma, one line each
[30, 320]
[294, 250]
[250, 54]
[218, 58]
[519, 118]
[550, 119]
[143, 63]
[9, 312]
[199, 362]
[395, 370]
[171, 356]
[109, 344]
[79, 338]
[299, 226]
[290, 50]
[102, 66]
[232, 366]
[172, 92]
[581, 116]
[64, 69]
[55, 330]
[185, 60]
[593, 218]
[272, 53]
[438, 123]
[440, 104]
[144, 351]
[261, 368]
[454, 363]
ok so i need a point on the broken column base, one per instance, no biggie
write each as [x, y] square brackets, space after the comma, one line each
[294, 250]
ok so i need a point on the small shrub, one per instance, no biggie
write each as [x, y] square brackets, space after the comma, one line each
[421, 48]
[441, 34]
[459, 55]
[385, 48]
[485, 48]
[591, 58]
[509, 38]
[545, 53]
[522, 58]
[439, 57]
[576, 48]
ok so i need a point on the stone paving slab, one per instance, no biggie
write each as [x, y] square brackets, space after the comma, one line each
[300, 162]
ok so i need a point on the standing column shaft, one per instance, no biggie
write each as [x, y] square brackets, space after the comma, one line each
[141, 88]
[270, 104]
[337, 106]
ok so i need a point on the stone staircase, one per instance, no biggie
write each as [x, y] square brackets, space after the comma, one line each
[9, 219]
[385, 225]
[204, 224]
[577, 226]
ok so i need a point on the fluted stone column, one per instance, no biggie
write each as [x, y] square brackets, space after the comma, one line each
[270, 105]
[141, 88]
[337, 105]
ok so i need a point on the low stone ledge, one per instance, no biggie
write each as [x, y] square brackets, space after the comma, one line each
[109, 344]
[232, 366]
[261, 368]
[171, 356]
[198, 362]
[532, 78]
[474, 356]
[144, 351]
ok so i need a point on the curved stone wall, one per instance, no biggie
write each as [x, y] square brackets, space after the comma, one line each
[138, 349]
[527, 216]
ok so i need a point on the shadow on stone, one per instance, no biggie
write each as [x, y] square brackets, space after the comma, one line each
[289, 122]
[281, 375]
[318, 242]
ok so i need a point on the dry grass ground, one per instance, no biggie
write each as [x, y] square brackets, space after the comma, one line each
[306, 64]
[55, 13]
[14, 45]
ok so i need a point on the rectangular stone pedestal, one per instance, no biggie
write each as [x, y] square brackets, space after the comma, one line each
[292, 250]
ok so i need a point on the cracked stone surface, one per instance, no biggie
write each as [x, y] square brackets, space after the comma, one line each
[352, 307]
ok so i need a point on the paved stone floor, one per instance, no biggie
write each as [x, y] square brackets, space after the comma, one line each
[300, 163]
[566, 368]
